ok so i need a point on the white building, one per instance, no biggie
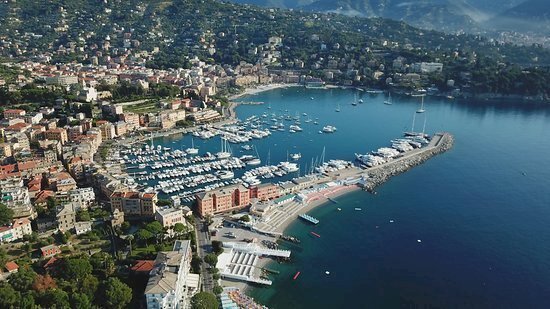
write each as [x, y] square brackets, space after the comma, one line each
[88, 94]
[15, 196]
[83, 227]
[170, 284]
[82, 196]
[169, 216]
[16, 230]
[427, 67]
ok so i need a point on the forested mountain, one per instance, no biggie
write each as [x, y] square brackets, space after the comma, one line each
[183, 28]
[532, 15]
[447, 15]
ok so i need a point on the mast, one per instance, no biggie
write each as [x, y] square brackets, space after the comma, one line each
[424, 127]
[269, 157]
[414, 119]
[323, 155]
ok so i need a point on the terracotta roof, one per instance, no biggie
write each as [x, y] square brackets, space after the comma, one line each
[9, 168]
[20, 222]
[143, 266]
[11, 266]
[28, 165]
[14, 111]
[18, 126]
[42, 196]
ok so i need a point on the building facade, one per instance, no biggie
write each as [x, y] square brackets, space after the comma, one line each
[167, 287]
[133, 203]
[222, 200]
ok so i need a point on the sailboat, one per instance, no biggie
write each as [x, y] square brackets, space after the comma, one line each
[192, 150]
[354, 103]
[255, 161]
[412, 132]
[269, 106]
[421, 110]
[338, 108]
[224, 153]
[388, 101]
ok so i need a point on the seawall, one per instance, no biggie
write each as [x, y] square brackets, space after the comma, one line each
[441, 142]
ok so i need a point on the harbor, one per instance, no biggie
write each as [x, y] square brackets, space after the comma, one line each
[241, 152]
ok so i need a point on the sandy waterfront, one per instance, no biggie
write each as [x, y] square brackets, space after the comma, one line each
[316, 200]
[261, 88]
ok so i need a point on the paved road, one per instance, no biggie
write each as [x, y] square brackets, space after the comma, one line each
[204, 247]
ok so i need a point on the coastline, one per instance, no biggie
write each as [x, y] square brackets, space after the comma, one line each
[261, 88]
[321, 199]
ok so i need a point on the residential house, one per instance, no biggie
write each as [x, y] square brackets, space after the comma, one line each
[169, 216]
[66, 217]
[50, 251]
[133, 203]
[168, 285]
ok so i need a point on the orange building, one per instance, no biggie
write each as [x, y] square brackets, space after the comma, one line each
[14, 113]
[134, 203]
[265, 191]
[58, 134]
[222, 200]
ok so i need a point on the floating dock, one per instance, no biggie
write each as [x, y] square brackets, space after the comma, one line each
[309, 218]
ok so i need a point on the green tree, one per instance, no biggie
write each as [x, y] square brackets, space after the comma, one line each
[144, 235]
[155, 228]
[54, 298]
[196, 264]
[125, 226]
[83, 215]
[179, 228]
[8, 296]
[6, 214]
[3, 257]
[22, 280]
[103, 262]
[76, 269]
[217, 247]
[117, 293]
[89, 285]
[27, 301]
[162, 202]
[245, 218]
[204, 300]
[80, 301]
[211, 259]
[217, 290]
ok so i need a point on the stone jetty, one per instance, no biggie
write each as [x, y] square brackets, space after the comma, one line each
[440, 143]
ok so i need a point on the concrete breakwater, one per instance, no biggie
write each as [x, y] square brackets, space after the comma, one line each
[376, 176]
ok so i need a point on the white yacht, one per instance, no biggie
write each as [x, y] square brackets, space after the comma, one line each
[296, 156]
[192, 150]
[225, 174]
[329, 129]
[295, 128]
[224, 153]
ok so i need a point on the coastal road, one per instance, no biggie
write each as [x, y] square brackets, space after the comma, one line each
[203, 248]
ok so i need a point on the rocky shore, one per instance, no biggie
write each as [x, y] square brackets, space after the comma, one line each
[378, 175]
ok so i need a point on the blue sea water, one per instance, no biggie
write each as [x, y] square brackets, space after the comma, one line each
[481, 210]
